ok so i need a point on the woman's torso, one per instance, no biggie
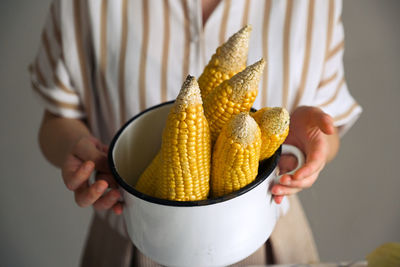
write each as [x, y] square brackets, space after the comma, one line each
[138, 53]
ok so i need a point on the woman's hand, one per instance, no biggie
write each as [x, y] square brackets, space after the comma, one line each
[89, 155]
[312, 131]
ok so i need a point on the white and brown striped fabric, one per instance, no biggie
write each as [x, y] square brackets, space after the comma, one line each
[107, 60]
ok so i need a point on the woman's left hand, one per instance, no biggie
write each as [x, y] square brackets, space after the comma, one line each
[312, 131]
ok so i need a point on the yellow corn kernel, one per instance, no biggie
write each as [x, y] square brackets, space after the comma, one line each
[274, 125]
[185, 148]
[229, 59]
[236, 155]
[149, 179]
[232, 97]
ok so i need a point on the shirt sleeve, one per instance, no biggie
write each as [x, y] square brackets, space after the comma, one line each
[50, 78]
[333, 96]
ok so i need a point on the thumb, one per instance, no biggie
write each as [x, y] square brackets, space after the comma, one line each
[87, 149]
[324, 121]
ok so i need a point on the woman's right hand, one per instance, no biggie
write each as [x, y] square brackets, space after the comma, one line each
[87, 155]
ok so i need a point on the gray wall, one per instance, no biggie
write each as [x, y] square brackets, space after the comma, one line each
[353, 208]
[40, 225]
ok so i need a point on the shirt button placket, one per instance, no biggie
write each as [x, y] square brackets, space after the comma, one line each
[196, 37]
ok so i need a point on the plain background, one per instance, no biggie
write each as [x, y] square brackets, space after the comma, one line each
[353, 208]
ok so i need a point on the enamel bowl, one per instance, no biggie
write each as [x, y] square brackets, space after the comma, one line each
[213, 232]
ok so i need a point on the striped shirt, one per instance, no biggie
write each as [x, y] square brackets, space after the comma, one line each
[107, 60]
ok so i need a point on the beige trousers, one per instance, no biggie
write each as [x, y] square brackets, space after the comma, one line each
[290, 242]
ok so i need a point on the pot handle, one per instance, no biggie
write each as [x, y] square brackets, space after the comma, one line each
[289, 149]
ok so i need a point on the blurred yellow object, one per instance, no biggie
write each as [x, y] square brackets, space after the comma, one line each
[148, 181]
[387, 255]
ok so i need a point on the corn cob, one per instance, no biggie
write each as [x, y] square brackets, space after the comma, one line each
[148, 181]
[236, 155]
[232, 97]
[185, 148]
[274, 125]
[228, 59]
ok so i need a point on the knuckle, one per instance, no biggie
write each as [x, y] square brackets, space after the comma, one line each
[111, 199]
[102, 204]
[84, 199]
[69, 181]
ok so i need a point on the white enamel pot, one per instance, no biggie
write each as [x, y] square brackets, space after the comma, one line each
[213, 232]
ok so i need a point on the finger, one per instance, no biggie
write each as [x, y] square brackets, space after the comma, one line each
[87, 149]
[282, 190]
[309, 169]
[108, 200]
[324, 121]
[286, 180]
[87, 195]
[73, 178]
[117, 208]
[315, 160]
[278, 199]
[326, 124]
[302, 183]
[108, 178]
[71, 164]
